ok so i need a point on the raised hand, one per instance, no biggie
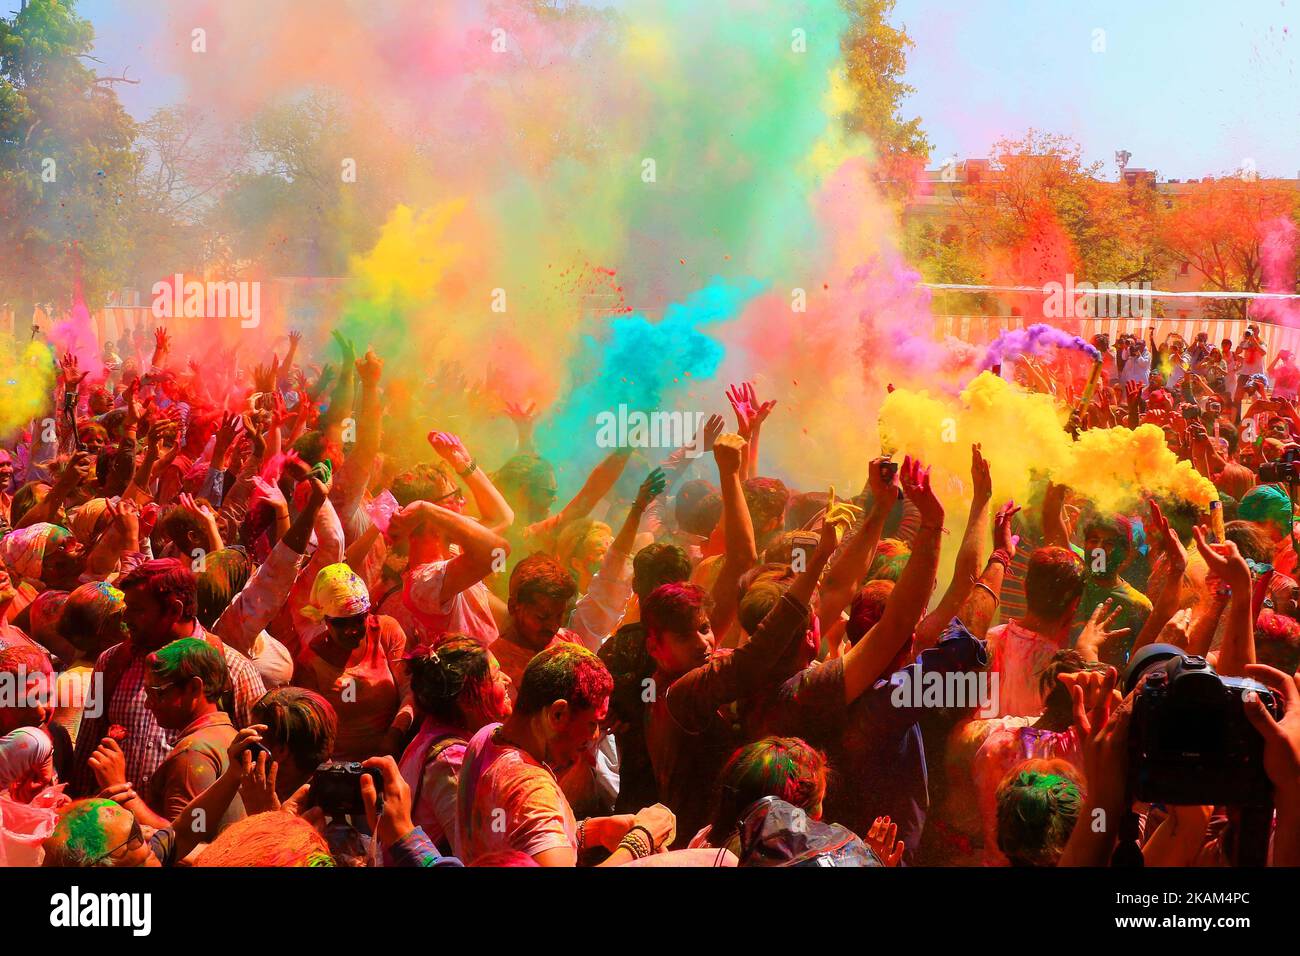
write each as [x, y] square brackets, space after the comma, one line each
[883, 838]
[1224, 561]
[1281, 737]
[1103, 738]
[1003, 538]
[651, 488]
[916, 487]
[524, 413]
[1097, 631]
[451, 449]
[712, 429]
[369, 367]
[843, 514]
[1168, 542]
[270, 492]
[981, 479]
[346, 347]
[884, 488]
[728, 452]
[69, 376]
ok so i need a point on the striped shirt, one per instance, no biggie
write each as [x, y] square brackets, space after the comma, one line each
[146, 744]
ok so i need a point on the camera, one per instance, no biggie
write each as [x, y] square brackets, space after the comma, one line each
[1191, 412]
[336, 787]
[1285, 470]
[888, 469]
[1190, 742]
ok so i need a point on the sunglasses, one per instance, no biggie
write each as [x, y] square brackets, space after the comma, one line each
[133, 842]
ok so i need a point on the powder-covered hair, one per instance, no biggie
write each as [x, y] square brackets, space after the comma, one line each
[540, 576]
[567, 672]
[867, 607]
[189, 658]
[1038, 804]
[447, 675]
[1053, 581]
[674, 607]
[785, 767]
[277, 838]
[656, 564]
[300, 720]
[79, 838]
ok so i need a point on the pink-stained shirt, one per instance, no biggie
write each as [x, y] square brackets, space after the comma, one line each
[465, 613]
[433, 784]
[1004, 750]
[1019, 656]
[366, 686]
[506, 800]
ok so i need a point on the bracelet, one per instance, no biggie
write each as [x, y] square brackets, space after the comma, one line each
[635, 845]
[649, 837]
[996, 600]
[1001, 556]
[582, 835]
[469, 469]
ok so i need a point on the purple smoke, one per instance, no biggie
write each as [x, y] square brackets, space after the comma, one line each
[1034, 340]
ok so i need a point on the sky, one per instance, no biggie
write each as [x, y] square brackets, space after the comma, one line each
[1188, 87]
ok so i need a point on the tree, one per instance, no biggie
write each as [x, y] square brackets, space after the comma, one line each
[1038, 211]
[875, 57]
[184, 165]
[1219, 227]
[65, 161]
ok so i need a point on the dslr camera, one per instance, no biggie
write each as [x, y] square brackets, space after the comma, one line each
[336, 787]
[1189, 739]
[1286, 469]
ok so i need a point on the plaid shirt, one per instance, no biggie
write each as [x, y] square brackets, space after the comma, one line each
[147, 744]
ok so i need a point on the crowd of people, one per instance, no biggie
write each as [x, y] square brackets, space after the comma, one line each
[238, 629]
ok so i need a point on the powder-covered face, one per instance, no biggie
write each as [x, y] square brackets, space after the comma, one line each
[496, 702]
[679, 653]
[65, 557]
[574, 730]
[539, 619]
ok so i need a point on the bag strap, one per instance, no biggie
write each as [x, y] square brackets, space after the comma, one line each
[436, 750]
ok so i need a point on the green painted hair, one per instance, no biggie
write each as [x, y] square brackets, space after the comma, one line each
[188, 658]
[1038, 804]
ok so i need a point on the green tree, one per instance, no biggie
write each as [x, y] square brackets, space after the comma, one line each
[66, 162]
[875, 58]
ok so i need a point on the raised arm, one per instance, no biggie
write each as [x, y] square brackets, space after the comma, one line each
[1166, 603]
[1055, 532]
[968, 555]
[741, 550]
[866, 660]
[1226, 563]
[601, 479]
[480, 546]
[853, 560]
[357, 466]
[493, 510]
[982, 602]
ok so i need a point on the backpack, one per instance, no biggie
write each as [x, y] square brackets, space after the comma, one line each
[774, 833]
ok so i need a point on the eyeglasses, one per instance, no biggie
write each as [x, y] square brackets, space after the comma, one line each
[455, 493]
[156, 690]
[133, 842]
